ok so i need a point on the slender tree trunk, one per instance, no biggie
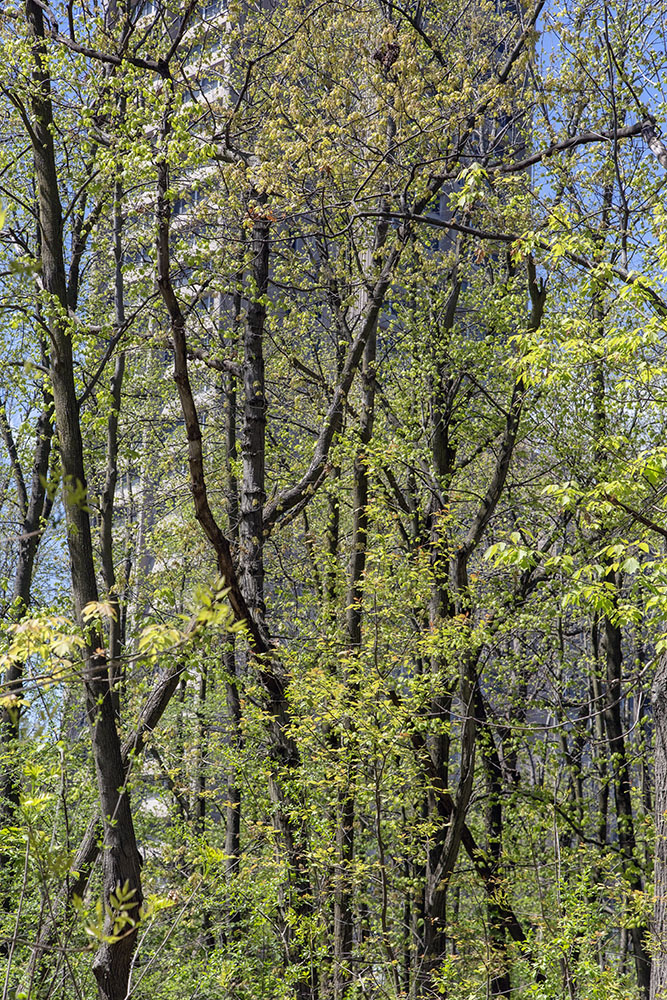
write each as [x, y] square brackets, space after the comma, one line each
[499, 979]
[658, 990]
[597, 708]
[111, 479]
[622, 785]
[199, 803]
[611, 648]
[233, 806]
[343, 887]
[441, 607]
[34, 514]
[199, 809]
[253, 446]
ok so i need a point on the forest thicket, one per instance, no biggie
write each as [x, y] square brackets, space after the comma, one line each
[333, 499]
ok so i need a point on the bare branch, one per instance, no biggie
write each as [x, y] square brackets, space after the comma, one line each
[12, 451]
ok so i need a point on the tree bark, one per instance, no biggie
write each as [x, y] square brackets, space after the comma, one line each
[457, 600]
[441, 607]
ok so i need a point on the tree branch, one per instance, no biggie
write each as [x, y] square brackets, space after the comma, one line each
[15, 462]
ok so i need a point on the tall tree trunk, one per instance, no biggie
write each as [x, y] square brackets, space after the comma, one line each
[611, 648]
[199, 809]
[233, 806]
[111, 478]
[611, 641]
[253, 446]
[343, 887]
[596, 710]
[284, 752]
[447, 848]
[499, 978]
[120, 863]
[441, 607]
[251, 562]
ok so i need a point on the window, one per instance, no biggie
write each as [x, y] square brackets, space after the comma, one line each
[206, 302]
[147, 8]
[137, 255]
[209, 83]
[182, 276]
[179, 207]
[190, 198]
[195, 54]
[210, 8]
